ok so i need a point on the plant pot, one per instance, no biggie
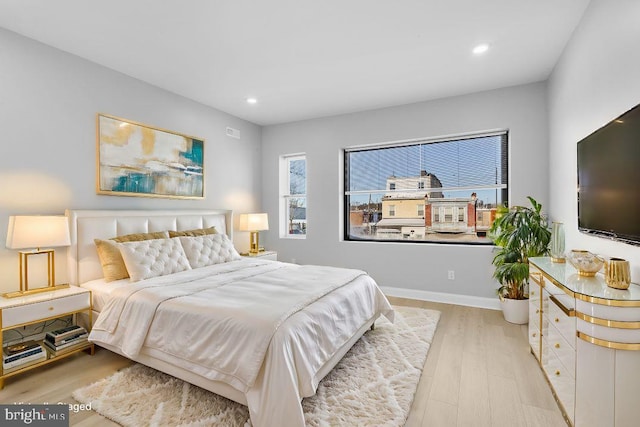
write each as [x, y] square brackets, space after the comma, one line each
[515, 310]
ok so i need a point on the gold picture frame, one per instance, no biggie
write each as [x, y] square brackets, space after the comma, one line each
[134, 159]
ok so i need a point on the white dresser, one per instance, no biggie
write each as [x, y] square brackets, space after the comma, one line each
[586, 337]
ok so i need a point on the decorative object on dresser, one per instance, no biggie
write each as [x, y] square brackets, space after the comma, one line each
[585, 336]
[27, 232]
[254, 223]
[145, 161]
[586, 263]
[617, 273]
[519, 234]
[556, 249]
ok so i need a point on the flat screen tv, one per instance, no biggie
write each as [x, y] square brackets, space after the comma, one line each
[609, 180]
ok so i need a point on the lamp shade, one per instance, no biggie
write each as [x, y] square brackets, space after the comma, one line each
[37, 232]
[254, 222]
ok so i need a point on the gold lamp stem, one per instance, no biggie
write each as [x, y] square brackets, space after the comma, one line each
[254, 239]
[24, 274]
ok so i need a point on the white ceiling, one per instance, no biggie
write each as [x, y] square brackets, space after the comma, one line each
[303, 59]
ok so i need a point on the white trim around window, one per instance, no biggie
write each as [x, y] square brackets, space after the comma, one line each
[292, 216]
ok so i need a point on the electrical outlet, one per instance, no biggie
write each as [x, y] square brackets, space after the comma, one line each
[451, 275]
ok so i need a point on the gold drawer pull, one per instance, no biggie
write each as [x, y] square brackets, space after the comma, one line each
[50, 308]
[533, 334]
[557, 320]
[557, 345]
[557, 373]
[533, 292]
[537, 311]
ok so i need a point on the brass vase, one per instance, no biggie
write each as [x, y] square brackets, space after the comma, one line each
[617, 273]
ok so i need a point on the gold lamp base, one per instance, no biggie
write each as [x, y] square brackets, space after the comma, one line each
[24, 277]
[254, 246]
[35, 291]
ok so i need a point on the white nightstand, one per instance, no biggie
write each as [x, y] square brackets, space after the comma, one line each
[270, 255]
[27, 310]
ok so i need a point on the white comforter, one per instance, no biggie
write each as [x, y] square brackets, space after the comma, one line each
[265, 328]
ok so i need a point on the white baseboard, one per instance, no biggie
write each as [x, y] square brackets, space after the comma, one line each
[466, 300]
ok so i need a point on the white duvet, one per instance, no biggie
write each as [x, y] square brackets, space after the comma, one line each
[265, 328]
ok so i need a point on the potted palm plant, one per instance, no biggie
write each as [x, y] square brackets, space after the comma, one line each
[518, 234]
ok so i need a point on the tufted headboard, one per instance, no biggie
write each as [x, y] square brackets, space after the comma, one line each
[86, 225]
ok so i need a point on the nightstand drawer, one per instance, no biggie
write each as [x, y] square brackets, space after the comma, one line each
[41, 310]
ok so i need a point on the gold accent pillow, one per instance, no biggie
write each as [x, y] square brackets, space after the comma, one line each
[193, 233]
[113, 267]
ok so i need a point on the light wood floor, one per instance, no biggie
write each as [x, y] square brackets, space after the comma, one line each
[479, 372]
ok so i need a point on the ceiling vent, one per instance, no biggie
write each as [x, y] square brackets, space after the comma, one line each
[233, 133]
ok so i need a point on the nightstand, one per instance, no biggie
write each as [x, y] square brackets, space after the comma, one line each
[270, 255]
[36, 308]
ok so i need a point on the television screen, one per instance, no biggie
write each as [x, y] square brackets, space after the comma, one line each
[609, 179]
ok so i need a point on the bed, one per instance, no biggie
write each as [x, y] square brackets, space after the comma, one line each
[261, 333]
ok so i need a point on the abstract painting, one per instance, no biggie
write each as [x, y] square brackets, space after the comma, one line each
[139, 160]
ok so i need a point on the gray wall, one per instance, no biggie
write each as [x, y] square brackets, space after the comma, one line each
[415, 267]
[48, 103]
[597, 79]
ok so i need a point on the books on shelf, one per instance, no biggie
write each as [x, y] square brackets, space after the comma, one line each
[65, 339]
[17, 355]
[56, 351]
[68, 340]
[64, 333]
[56, 342]
[20, 347]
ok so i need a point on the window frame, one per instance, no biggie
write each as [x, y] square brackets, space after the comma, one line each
[285, 195]
[503, 187]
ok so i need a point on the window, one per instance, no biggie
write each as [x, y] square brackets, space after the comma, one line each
[293, 192]
[430, 187]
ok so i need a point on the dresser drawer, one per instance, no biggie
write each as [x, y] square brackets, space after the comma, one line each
[534, 338]
[563, 384]
[534, 317]
[561, 350]
[565, 324]
[534, 310]
[28, 313]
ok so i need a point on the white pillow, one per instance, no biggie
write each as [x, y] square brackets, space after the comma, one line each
[151, 258]
[208, 250]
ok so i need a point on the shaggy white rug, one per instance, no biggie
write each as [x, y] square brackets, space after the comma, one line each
[373, 385]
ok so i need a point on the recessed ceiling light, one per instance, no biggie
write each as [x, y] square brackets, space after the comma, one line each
[480, 49]
[251, 100]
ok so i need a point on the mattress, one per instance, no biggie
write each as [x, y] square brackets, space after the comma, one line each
[101, 291]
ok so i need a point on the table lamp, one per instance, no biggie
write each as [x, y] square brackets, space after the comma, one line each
[27, 232]
[254, 223]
